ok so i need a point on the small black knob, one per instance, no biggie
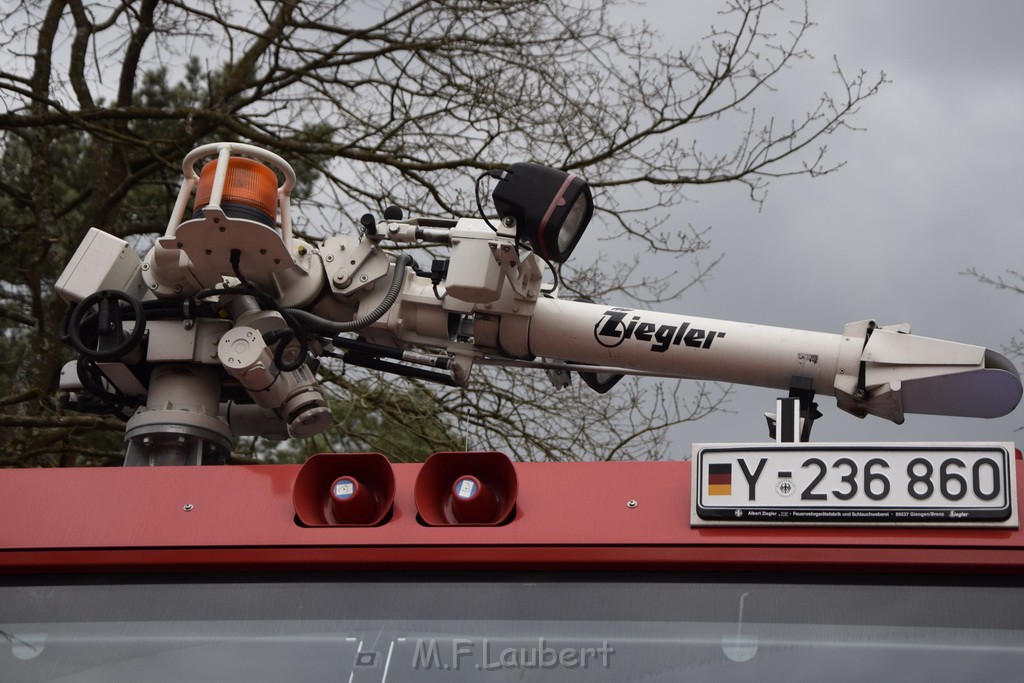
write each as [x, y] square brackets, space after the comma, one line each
[369, 223]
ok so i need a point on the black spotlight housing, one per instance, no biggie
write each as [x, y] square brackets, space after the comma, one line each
[551, 208]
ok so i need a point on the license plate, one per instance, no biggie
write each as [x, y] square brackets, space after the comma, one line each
[837, 484]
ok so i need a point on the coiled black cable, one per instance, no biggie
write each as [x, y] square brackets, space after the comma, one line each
[334, 327]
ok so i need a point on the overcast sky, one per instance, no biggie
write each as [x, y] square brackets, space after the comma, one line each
[931, 188]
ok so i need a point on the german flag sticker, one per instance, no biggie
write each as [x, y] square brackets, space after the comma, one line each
[720, 479]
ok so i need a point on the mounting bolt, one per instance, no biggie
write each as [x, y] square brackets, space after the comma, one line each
[329, 258]
[188, 324]
[188, 507]
[631, 504]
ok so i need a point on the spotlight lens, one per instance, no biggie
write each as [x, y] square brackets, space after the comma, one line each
[573, 223]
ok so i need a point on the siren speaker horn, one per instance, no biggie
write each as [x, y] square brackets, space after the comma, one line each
[344, 489]
[466, 489]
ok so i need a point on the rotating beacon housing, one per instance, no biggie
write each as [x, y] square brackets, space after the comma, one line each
[233, 228]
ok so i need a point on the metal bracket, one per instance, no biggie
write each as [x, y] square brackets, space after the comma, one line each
[352, 263]
[560, 378]
[523, 275]
[794, 415]
[461, 367]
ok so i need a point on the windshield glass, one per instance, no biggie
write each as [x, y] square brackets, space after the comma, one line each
[430, 627]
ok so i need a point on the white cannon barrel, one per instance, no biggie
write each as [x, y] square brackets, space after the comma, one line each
[882, 371]
[683, 346]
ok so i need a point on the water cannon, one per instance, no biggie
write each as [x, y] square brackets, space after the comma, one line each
[218, 330]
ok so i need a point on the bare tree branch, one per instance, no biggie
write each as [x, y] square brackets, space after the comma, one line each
[392, 103]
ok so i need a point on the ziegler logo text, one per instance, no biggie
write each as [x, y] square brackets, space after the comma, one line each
[614, 328]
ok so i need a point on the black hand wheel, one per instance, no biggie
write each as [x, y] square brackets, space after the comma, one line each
[100, 335]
